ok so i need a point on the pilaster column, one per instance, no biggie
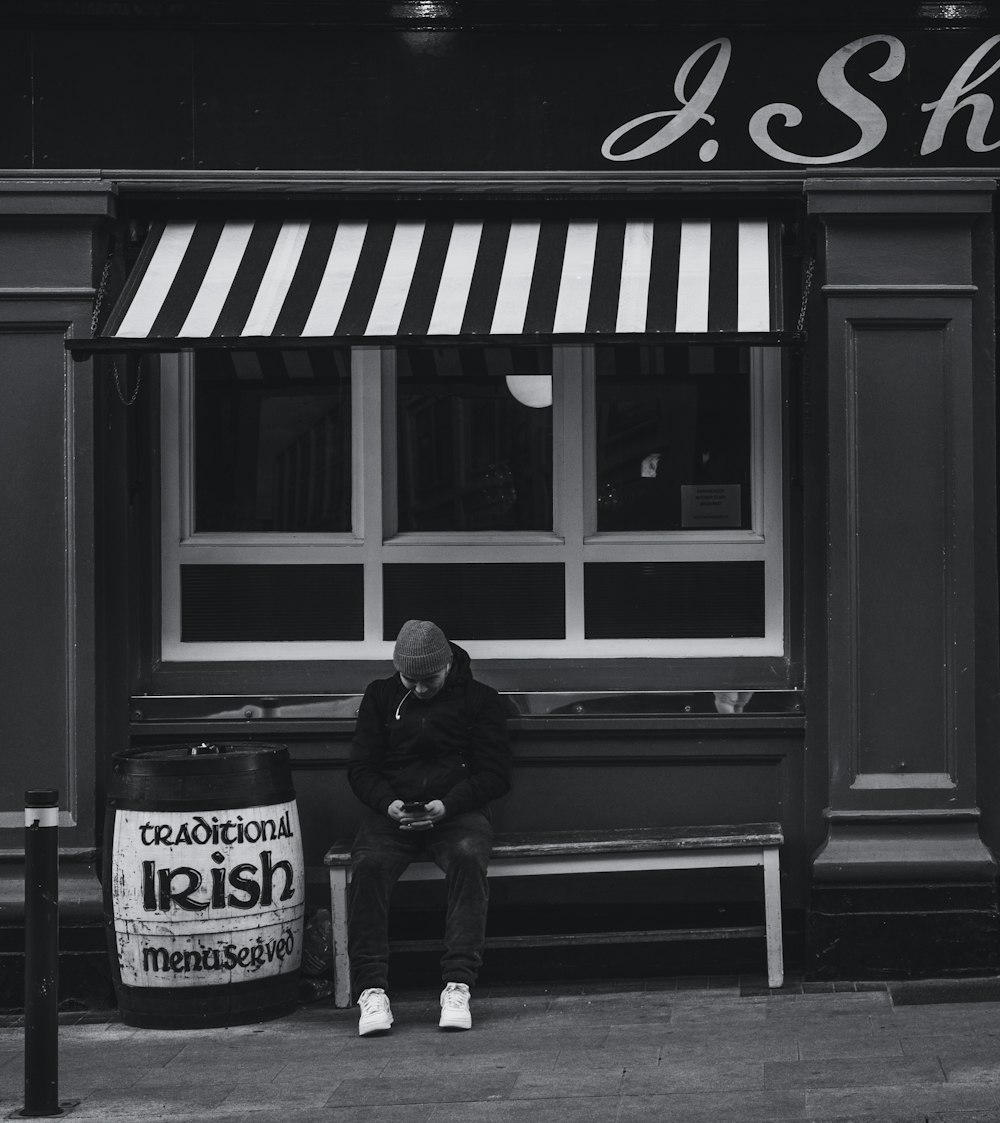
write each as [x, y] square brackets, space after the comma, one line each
[53, 234]
[903, 869]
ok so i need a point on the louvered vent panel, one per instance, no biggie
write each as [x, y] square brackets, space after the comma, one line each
[674, 600]
[271, 603]
[497, 601]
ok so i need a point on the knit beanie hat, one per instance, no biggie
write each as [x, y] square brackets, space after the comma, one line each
[421, 649]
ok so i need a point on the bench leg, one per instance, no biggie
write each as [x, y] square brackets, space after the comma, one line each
[341, 963]
[772, 918]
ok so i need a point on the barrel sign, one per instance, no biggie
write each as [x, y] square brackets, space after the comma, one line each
[207, 897]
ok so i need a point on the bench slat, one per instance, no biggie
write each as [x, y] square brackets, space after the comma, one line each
[556, 843]
[571, 939]
[600, 851]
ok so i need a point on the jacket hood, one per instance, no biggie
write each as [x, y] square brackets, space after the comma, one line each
[461, 667]
[453, 746]
[459, 675]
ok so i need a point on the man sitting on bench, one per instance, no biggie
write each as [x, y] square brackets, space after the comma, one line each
[430, 751]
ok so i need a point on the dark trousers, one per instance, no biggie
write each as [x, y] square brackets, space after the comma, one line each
[381, 851]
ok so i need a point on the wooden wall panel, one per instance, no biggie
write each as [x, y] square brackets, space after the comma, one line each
[901, 547]
[616, 779]
[46, 611]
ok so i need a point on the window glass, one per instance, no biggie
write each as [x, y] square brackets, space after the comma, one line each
[480, 453]
[272, 441]
[673, 441]
[474, 438]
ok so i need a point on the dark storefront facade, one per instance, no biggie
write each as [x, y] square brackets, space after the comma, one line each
[652, 357]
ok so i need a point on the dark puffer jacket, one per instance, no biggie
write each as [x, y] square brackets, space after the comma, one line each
[453, 747]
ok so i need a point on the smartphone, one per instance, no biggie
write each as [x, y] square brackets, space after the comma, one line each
[412, 808]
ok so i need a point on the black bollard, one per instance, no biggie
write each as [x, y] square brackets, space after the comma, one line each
[41, 954]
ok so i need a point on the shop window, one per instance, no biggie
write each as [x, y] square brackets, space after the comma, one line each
[539, 502]
[473, 452]
[674, 437]
[272, 441]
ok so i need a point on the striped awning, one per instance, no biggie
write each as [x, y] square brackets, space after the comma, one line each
[212, 281]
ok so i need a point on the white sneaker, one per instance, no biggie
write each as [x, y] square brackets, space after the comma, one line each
[455, 1012]
[376, 1015]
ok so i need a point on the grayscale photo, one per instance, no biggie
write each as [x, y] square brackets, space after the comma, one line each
[500, 602]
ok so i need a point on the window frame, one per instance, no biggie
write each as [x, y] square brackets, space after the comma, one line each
[573, 542]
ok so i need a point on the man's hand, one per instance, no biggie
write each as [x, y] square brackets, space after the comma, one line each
[432, 813]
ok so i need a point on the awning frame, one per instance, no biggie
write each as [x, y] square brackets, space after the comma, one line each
[82, 349]
[727, 299]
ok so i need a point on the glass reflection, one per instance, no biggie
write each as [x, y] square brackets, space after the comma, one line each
[474, 438]
[273, 441]
[673, 437]
[312, 707]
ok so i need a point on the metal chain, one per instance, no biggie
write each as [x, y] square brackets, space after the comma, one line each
[94, 319]
[101, 289]
[118, 386]
[806, 288]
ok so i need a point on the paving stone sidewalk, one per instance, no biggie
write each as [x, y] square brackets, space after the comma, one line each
[669, 1051]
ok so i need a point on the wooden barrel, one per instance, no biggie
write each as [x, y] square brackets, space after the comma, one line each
[204, 887]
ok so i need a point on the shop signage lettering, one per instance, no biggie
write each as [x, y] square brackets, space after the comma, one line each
[227, 958]
[710, 505]
[257, 882]
[582, 97]
[207, 897]
[200, 831]
[884, 57]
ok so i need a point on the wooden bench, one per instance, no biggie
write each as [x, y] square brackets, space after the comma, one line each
[613, 851]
